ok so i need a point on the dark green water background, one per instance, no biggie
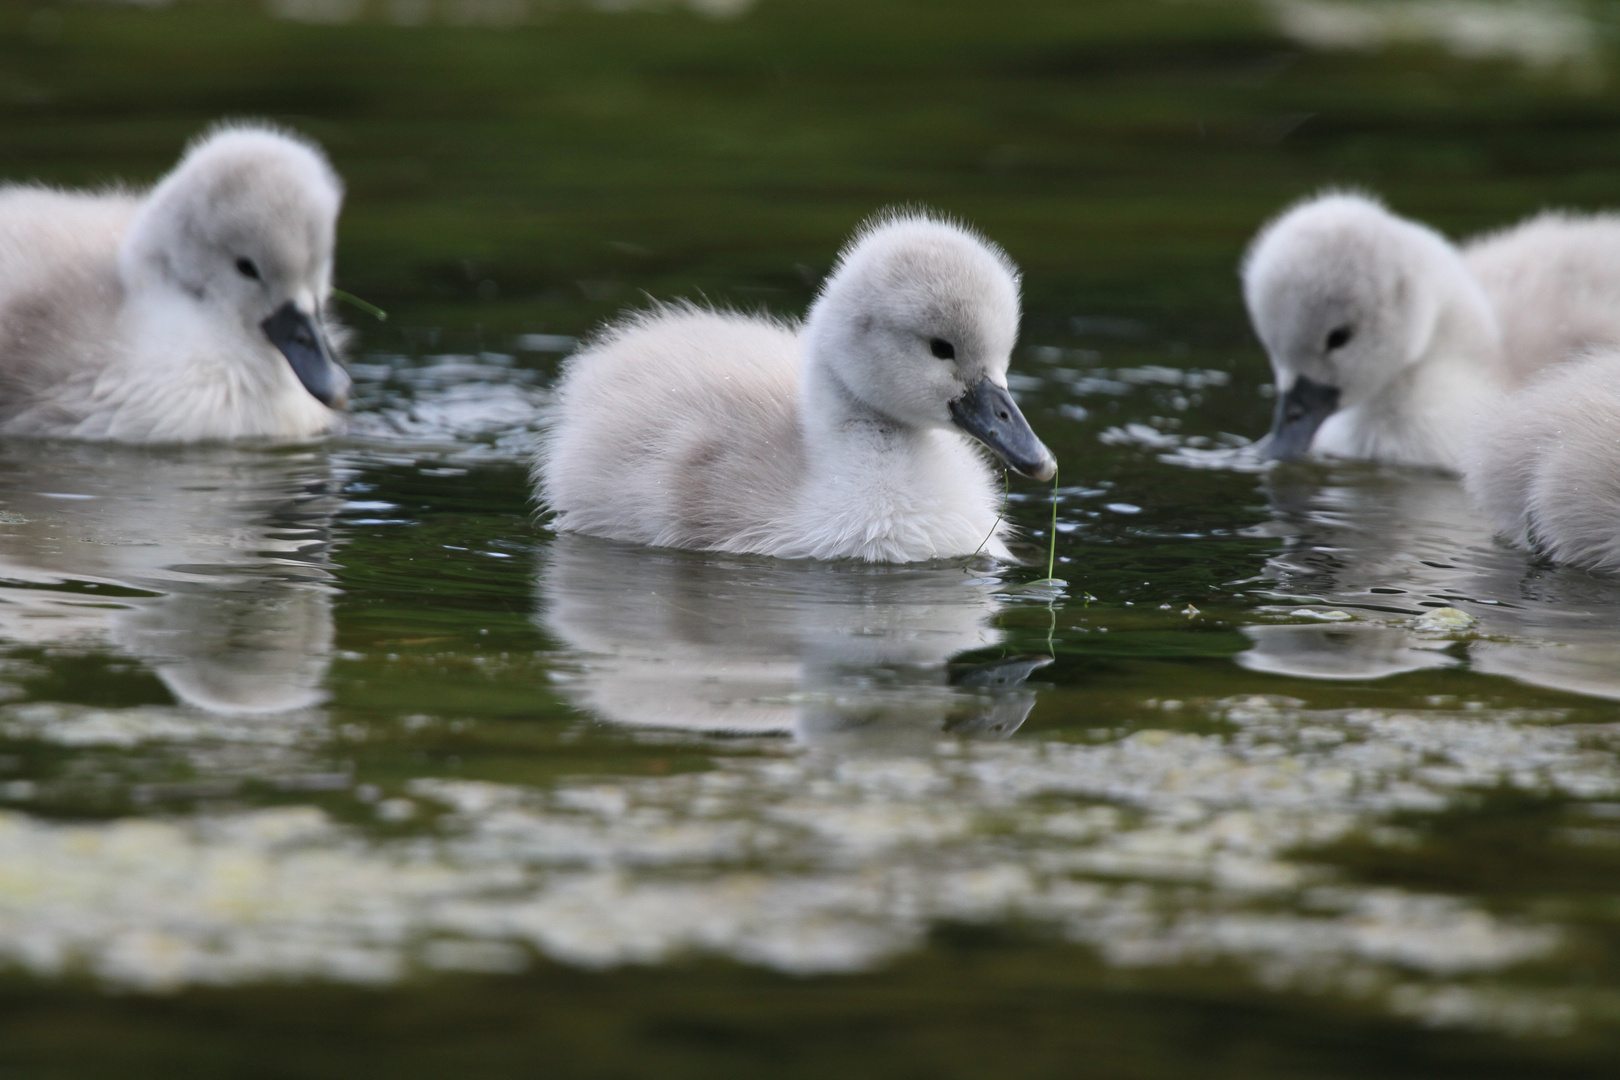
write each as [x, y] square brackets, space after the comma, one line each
[1366, 848]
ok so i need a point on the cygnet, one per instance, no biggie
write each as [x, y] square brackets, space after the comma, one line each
[1545, 467]
[1384, 345]
[191, 313]
[846, 437]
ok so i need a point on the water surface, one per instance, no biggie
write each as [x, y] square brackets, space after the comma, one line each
[335, 759]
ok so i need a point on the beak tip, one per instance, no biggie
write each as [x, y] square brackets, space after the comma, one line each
[988, 413]
[298, 337]
[1275, 448]
[1300, 412]
[340, 392]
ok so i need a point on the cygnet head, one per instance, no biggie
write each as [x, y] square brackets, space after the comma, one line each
[245, 226]
[1345, 296]
[915, 327]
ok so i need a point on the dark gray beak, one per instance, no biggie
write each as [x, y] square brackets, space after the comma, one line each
[302, 343]
[1299, 413]
[988, 413]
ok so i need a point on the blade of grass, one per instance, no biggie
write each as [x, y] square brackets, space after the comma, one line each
[1006, 493]
[366, 306]
[1051, 555]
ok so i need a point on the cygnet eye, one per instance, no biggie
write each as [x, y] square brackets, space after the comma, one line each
[247, 268]
[1339, 337]
[942, 349]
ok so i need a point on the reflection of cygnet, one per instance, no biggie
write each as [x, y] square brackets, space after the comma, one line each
[1399, 541]
[673, 640]
[1339, 652]
[1546, 469]
[1391, 546]
[1387, 545]
[1383, 344]
[193, 313]
[683, 427]
[210, 568]
[256, 648]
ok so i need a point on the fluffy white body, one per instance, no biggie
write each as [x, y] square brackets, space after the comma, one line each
[1545, 468]
[684, 427]
[1554, 282]
[1384, 317]
[144, 318]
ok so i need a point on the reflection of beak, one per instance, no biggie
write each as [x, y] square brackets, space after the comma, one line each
[997, 674]
[989, 414]
[302, 343]
[1299, 413]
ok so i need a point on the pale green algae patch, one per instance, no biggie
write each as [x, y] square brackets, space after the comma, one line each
[1158, 848]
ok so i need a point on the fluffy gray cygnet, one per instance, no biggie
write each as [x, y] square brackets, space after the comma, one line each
[850, 436]
[192, 312]
[1384, 345]
[1391, 344]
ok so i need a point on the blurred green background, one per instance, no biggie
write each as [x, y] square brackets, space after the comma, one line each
[536, 164]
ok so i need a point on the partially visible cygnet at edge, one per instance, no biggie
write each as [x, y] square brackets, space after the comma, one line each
[1383, 343]
[190, 313]
[846, 437]
[1545, 467]
[1390, 344]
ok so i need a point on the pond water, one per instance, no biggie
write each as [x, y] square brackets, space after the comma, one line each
[336, 760]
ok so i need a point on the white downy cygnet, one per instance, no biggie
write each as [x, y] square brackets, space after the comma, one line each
[843, 438]
[192, 313]
[1384, 345]
[1545, 467]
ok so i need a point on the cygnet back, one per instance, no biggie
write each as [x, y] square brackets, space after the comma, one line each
[1554, 281]
[59, 286]
[677, 427]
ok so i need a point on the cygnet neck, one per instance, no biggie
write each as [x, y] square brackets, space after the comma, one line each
[1464, 344]
[1423, 414]
[880, 487]
[1466, 329]
[144, 266]
[831, 406]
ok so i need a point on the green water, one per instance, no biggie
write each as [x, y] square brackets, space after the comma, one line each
[334, 761]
